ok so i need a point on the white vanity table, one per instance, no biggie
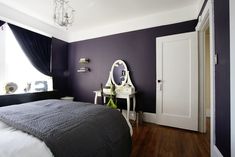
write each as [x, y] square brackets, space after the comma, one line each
[124, 89]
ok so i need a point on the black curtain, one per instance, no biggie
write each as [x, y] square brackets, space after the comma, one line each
[1, 23]
[36, 47]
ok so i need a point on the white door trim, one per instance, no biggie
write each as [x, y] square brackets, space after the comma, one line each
[201, 28]
[208, 15]
[232, 74]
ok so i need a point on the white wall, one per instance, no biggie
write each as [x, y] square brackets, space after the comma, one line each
[232, 72]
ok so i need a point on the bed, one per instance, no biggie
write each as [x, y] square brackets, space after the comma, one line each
[63, 128]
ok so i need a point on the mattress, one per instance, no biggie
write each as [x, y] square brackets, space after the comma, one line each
[61, 129]
[15, 143]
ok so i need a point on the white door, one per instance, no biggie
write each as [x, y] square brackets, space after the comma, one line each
[177, 81]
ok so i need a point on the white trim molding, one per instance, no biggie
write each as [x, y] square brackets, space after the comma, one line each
[200, 5]
[203, 23]
[203, 18]
[147, 117]
[212, 49]
[232, 75]
[154, 20]
[23, 20]
[208, 113]
[208, 13]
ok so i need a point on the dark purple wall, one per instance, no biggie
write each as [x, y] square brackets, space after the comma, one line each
[137, 49]
[60, 66]
[222, 77]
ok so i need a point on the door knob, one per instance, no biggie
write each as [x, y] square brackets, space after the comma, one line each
[159, 81]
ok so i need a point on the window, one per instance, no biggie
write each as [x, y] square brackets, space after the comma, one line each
[15, 66]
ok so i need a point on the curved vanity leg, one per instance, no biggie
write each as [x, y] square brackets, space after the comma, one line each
[134, 105]
[129, 124]
[104, 99]
[95, 100]
[128, 108]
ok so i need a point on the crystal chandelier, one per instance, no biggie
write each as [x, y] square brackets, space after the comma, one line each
[63, 13]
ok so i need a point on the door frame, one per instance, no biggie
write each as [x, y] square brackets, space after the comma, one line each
[203, 24]
[207, 18]
[232, 75]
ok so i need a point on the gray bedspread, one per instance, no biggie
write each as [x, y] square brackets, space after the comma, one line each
[72, 129]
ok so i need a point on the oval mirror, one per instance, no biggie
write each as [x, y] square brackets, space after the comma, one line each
[119, 73]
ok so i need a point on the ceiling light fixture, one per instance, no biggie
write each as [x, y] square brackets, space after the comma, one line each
[63, 13]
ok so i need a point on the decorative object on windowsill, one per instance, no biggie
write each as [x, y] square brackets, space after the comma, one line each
[83, 68]
[112, 103]
[10, 87]
[41, 86]
[28, 87]
[63, 13]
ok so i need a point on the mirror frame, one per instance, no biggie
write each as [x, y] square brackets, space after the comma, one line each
[126, 73]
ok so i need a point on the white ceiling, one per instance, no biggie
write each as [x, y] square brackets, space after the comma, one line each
[93, 13]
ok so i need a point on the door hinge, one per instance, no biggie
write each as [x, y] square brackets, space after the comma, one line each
[215, 58]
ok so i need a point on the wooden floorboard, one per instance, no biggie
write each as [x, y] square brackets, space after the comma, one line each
[151, 140]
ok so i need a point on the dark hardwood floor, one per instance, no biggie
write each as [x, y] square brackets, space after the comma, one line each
[151, 140]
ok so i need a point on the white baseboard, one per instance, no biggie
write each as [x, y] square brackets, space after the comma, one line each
[216, 152]
[147, 117]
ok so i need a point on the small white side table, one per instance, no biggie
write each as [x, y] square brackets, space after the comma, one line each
[126, 96]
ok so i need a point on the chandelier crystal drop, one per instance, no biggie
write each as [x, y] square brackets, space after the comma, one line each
[63, 13]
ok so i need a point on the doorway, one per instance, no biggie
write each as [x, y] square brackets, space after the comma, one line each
[206, 24]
